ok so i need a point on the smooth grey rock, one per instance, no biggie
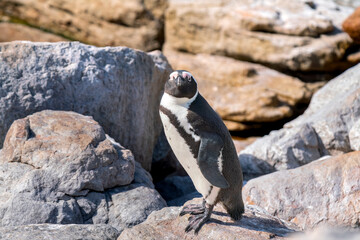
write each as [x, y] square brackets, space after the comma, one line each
[59, 232]
[323, 129]
[118, 86]
[61, 167]
[323, 192]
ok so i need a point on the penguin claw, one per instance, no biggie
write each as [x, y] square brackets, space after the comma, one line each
[197, 221]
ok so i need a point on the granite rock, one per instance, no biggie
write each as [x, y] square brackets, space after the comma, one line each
[322, 130]
[119, 87]
[60, 167]
[256, 224]
[59, 232]
[324, 192]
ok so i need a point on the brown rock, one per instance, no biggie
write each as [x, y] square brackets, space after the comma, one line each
[280, 35]
[69, 141]
[352, 25]
[255, 225]
[14, 32]
[137, 24]
[354, 57]
[243, 94]
[322, 192]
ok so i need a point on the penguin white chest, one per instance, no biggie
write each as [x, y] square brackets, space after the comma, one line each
[179, 146]
[182, 150]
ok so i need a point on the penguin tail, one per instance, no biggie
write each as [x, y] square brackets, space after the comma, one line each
[234, 208]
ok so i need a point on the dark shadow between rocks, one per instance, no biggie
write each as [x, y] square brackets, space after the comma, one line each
[253, 167]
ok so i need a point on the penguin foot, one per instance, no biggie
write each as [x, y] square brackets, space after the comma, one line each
[193, 209]
[196, 222]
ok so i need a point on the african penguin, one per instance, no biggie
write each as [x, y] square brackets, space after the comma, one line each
[203, 145]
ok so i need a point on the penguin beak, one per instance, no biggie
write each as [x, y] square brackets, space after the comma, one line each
[179, 81]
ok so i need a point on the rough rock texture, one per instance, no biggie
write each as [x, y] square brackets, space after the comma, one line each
[288, 35]
[136, 24]
[326, 191]
[245, 95]
[59, 232]
[76, 146]
[61, 167]
[323, 129]
[351, 25]
[354, 136]
[13, 32]
[119, 87]
[327, 233]
[255, 225]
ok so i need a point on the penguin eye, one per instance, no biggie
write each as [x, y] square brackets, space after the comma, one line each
[189, 79]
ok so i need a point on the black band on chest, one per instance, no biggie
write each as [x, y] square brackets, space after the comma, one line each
[193, 145]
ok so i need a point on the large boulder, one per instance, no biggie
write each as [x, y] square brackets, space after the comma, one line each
[245, 95]
[59, 232]
[60, 167]
[326, 127]
[324, 192]
[119, 87]
[13, 32]
[256, 224]
[136, 24]
[287, 35]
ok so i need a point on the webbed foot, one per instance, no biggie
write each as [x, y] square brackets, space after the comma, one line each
[198, 220]
[193, 209]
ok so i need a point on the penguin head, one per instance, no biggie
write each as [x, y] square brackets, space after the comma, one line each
[181, 84]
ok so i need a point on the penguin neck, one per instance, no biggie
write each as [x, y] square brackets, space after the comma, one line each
[168, 100]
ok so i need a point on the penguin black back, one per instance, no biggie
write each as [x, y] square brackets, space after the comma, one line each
[231, 197]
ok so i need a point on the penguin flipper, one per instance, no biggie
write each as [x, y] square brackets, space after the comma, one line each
[209, 152]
